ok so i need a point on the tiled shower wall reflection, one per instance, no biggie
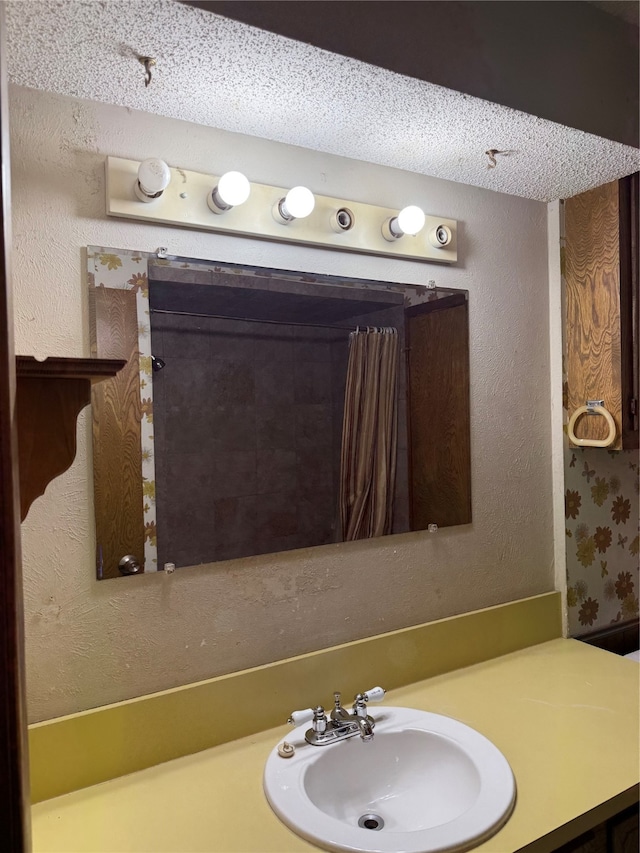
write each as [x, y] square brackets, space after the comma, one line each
[244, 429]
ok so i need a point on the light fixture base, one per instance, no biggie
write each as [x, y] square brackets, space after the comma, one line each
[387, 230]
[141, 195]
[280, 214]
[184, 204]
[216, 205]
[440, 236]
[342, 220]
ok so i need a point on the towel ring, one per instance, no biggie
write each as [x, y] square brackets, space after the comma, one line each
[593, 409]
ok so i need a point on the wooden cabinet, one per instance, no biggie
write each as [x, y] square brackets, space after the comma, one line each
[49, 396]
[617, 835]
[601, 274]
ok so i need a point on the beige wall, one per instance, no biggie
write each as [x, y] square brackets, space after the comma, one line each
[89, 643]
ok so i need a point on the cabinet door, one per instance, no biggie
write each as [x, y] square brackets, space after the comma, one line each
[601, 273]
[624, 831]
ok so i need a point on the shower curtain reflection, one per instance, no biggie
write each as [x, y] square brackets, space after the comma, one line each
[369, 434]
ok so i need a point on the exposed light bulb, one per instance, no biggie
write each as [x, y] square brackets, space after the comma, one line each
[410, 221]
[233, 189]
[154, 177]
[297, 204]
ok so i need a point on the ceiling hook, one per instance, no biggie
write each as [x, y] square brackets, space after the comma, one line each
[148, 62]
[492, 153]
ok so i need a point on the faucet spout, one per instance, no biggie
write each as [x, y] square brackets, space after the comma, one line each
[366, 729]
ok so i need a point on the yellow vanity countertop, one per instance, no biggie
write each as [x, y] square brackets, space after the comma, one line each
[565, 714]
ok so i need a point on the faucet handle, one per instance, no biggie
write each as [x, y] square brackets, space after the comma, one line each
[297, 718]
[376, 694]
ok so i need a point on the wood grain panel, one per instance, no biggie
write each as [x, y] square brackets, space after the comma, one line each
[439, 418]
[47, 413]
[592, 273]
[56, 368]
[623, 831]
[117, 452]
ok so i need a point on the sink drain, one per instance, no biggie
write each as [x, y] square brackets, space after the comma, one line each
[371, 821]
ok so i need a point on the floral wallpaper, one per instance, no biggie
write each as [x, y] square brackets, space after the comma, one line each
[120, 268]
[601, 512]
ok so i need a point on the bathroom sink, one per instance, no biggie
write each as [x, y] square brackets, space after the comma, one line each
[425, 783]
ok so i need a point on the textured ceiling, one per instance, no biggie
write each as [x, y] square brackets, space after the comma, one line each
[218, 72]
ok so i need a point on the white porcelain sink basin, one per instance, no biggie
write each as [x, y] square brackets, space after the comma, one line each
[425, 783]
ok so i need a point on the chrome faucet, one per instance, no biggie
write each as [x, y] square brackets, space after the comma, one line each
[341, 724]
[339, 715]
[365, 724]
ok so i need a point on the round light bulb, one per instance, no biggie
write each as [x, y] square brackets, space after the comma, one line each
[153, 176]
[411, 219]
[233, 188]
[299, 202]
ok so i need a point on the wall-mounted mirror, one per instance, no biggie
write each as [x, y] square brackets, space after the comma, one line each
[264, 410]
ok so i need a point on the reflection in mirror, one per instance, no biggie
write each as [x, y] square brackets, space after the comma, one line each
[295, 410]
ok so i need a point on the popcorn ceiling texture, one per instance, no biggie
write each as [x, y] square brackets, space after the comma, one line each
[90, 642]
[221, 73]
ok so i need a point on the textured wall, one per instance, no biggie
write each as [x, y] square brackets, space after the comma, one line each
[91, 642]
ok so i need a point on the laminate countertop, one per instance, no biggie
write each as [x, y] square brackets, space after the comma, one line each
[565, 715]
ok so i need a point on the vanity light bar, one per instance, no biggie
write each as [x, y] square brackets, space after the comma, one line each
[333, 223]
